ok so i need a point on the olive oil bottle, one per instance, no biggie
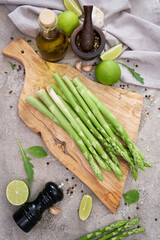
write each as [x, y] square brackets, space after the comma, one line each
[52, 42]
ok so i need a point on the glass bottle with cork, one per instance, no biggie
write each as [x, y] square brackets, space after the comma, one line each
[52, 42]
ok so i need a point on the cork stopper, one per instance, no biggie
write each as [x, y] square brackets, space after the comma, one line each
[47, 18]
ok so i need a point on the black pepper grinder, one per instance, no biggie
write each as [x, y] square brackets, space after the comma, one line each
[87, 36]
[30, 213]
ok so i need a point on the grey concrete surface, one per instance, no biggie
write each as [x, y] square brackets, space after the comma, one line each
[67, 225]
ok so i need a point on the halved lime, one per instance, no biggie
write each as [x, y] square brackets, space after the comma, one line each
[72, 6]
[85, 207]
[112, 53]
[17, 192]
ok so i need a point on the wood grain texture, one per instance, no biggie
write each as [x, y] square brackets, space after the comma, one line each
[125, 105]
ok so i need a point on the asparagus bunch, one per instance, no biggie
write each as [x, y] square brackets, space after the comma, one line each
[74, 108]
[136, 153]
[57, 116]
[115, 229]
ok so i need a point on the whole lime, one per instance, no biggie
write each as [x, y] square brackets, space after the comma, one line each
[108, 72]
[68, 21]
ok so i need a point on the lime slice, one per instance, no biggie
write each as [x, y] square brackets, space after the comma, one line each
[112, 53]
[85, 207]
[72, 6]
[17, 192]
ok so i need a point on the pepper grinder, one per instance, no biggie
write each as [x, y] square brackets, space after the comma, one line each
[87, 36]
[30, 213]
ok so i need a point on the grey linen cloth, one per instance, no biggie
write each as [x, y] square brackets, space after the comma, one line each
[134, 23]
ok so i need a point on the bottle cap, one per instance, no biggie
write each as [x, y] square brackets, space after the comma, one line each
[47, 18]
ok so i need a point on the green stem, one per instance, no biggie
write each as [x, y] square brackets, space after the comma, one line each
[103, 230]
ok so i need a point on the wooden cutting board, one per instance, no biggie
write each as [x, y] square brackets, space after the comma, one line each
[125, 105]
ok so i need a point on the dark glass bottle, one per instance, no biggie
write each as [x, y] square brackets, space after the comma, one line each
[30, 213]
[52, 42]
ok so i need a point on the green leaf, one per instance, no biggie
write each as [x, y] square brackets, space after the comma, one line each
[12, 65]
[135, 74]
[37, 151]
[131, 196]
[27, 165]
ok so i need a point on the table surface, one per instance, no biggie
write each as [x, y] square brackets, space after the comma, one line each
[67, 225]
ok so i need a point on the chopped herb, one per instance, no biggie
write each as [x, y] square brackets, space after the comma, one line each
[131, 196]
[135, 74]
[6, 72]
[12, 65]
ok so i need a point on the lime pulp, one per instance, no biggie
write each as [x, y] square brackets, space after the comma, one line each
[72, 6]
[112, 53]
[17, 192]
[85, 207]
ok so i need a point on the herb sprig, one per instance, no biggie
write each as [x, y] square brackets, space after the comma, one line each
[135, 74]
[27, 164]
[35, 151]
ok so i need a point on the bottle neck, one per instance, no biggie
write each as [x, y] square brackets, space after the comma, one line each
[47, 30]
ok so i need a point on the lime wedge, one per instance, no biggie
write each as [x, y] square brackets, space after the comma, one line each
[17, 192]
[112, 53]
[72, 6]
[85, 207]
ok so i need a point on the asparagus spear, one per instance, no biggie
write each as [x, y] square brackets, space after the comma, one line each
[81, 132]
[42, 94]
[126, 234]
[138, 156]
[120, 229]
[105, 144]
[103, 230]
[82, 115]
